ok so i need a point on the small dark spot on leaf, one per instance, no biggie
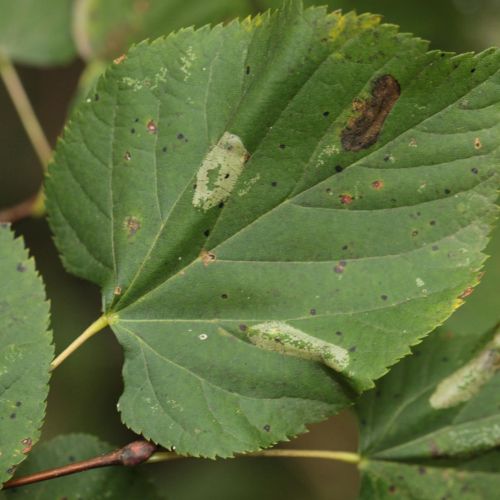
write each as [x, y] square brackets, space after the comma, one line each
[339, 168]
[151, 126]
[243, 328]
[468, 291]
[18, 403]
[96, 97]
[432, 222]
[164, 149]
[435, 248]
[345, 247]
[473, 70]
[422, 470]
[274, 184]
[282, 146]
[392, 489]
[127, 156]
[474, 170]
[447, 191]
[326, 113]
[346, 199]
[132, 130]
[132, 225]
[13, 415]
[226, 176]
[362, 130]
[21, 267]
[328, 190]
[221, 204]
[312, 312]
[384, 297]
[180, 136]
[136, 120]
[207, 257]
[387, 157]
[477, 143]
[247, 70]
[339, 333]
[206, 232]
[267, 427]
[352, 349]
[223, 296]
[414, 233]
[339, 268]
[28, 444]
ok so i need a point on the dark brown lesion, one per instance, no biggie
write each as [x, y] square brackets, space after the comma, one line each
[363, 129]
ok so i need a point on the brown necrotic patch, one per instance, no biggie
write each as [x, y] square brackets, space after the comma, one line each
[363, 129]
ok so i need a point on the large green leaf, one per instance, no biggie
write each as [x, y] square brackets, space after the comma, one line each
[97, 484]
[300, 183]
[105, 29]
[36, 32]
[25, 353]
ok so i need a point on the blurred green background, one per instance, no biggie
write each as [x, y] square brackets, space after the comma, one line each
[85, 389]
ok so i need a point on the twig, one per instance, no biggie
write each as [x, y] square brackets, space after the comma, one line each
[132, 454]
[139, 452]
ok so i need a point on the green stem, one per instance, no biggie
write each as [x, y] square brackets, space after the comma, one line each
[24, 109]
[343, 456]
[94, 328]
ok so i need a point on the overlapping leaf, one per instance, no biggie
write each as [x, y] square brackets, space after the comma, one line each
[35, 32]
[25, 353]
[262, 199]
[97, 484]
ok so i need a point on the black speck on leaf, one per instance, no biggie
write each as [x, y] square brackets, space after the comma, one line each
[474, 170]
[243, 328]
[326, 113]
[282, 146]
[267, 427]
[21, 267]
[384, 297]
[274, 184]
[312, 312]
[338, 168]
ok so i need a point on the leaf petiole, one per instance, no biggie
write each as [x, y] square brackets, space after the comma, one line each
[94, 328]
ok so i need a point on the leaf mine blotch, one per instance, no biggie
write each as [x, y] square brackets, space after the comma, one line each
[363, 129]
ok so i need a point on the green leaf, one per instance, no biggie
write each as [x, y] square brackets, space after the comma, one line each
[25, 353]
[432, 418]
[262, 199]
[104, 29]
[35, 32]
[96, 484]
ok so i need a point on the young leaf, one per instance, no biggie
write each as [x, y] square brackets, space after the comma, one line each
[38, 33]
[104, 29]
[25, 353]
[96, 484]
[260, 199]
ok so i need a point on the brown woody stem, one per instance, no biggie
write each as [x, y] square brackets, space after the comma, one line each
[132, 454]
